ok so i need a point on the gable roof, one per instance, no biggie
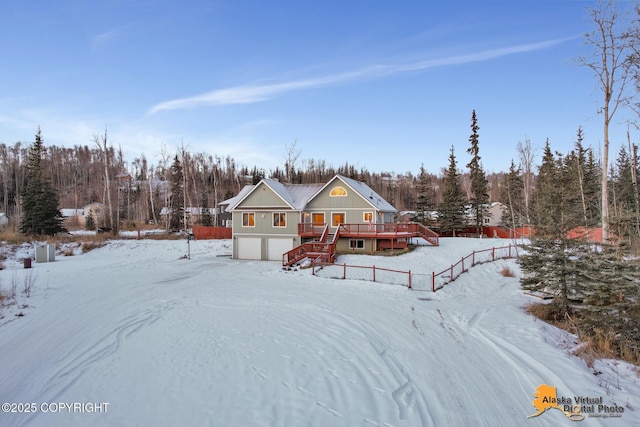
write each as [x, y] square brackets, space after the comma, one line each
[364, 191]
[235, 200]
[367, 193]
[297, 196]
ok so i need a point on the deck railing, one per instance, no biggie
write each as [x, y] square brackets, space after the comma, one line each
[386, 230]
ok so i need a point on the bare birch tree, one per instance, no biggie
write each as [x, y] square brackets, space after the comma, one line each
[527, 154]
[610, 60]
[101, 143]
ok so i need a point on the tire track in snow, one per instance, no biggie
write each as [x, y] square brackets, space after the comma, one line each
[407, 395]
[108, 344]
[374, 376]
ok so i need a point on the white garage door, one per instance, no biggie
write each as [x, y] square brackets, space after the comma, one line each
[249, 248]
[277, 246]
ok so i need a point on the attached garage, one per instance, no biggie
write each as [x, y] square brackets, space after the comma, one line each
[249, 248]
[276, 246]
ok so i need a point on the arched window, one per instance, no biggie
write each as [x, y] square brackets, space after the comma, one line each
[338, 191]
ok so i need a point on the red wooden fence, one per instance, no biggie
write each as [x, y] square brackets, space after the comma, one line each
[407, 278]
[203, 233]
[438, 280]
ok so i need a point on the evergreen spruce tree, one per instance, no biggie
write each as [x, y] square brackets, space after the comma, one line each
[423, 199]
[622, 220]
[592, 172]
[553, 257]
[511, 196]
[479, 184]
[451, 213]
[548, 197]
[584, 174]
[90, 223]
[39, 200]
[176, 215]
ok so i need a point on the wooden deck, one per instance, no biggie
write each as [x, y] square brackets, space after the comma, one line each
[390, 235]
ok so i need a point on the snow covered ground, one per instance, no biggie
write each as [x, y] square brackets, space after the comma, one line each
[133, 334]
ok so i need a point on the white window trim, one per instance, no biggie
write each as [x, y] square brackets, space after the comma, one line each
[364, 217]
[356, 243]
[344, 215]
[273, 220]
[254, 219]
[324, 217]
[335, 187]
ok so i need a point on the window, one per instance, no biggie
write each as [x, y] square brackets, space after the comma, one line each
[487, 221]
[337, 218]
[279, 219]
[317, 218]
[368, 217]
[356, 244]
[248, 219]
[338, 191]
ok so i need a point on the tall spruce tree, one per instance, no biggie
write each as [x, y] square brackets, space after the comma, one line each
[554, 256]
[451, 213]
[39, 200]
[176, 215]
[479, 184]
[623, 218]
[423, 199]
[511, 196]
[583, 174]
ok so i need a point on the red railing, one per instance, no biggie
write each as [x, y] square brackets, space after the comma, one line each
[438, 280]
[409, 279]
[374, 230]
[316, 250]
[376, 274]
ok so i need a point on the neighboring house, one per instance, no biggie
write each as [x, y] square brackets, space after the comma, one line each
[72, 217]
[271, 219]
[493, 215]
[193, 215]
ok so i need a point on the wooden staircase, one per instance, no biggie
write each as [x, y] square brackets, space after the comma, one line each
[319, 250]
[426, 233]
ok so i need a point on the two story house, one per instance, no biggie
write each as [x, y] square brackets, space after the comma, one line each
[271, 219]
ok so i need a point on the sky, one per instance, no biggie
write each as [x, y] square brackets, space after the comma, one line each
[387, 87]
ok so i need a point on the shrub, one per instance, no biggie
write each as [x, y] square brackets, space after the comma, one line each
[506, 272]
[29, 282]
[91, 245]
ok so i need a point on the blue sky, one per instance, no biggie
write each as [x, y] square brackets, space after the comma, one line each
[383, 85]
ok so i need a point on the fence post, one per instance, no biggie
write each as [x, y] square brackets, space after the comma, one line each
[313, 266]
[509, 250]
[493, 253]
[409, 279]
[473, 258]
[344, 273]
[374, 272]
[433, 281]
[462, 264]
[451, 274]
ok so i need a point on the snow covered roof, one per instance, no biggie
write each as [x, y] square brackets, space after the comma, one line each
[302, 193]
[368, 194]
[280, 190]
[298, 195]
